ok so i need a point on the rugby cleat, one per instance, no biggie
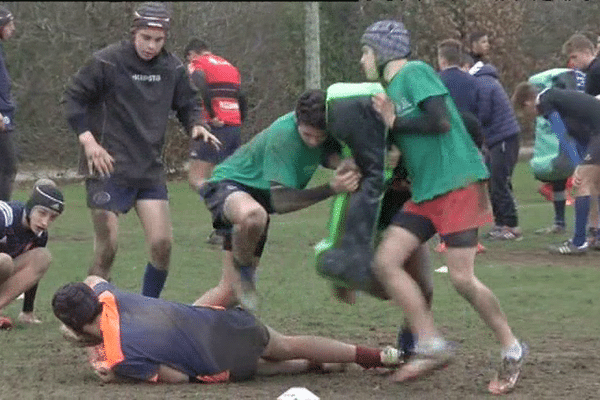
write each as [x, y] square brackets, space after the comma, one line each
[508, 373]
[427, 358]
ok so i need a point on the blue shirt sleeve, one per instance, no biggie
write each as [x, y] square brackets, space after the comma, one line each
[558, 126]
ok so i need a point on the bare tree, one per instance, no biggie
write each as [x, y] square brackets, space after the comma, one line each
[312, 45]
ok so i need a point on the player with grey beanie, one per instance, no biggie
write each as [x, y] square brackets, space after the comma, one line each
[389, 39]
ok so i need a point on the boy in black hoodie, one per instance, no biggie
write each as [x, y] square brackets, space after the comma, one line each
[118, 104]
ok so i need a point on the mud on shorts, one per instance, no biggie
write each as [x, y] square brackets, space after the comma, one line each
[215, 193]
[106, 194]
[239, 340]
[456, 216]
[230, 137]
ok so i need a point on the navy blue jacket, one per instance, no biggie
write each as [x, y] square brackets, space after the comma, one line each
[7, 107]
[592, 82]
[15, 237]
[462, 87]
[497, 117]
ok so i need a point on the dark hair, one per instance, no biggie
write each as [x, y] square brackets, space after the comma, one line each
[310, 108]
[451, 50]
[197, 45]
[475, 36]
[523, 92]
[75, 305]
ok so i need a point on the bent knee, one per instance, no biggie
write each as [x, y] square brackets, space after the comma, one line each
[5, 259]
[43, 258]
[7, 266]
[254, 219]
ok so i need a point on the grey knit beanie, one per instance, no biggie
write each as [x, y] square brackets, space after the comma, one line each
[390, 40]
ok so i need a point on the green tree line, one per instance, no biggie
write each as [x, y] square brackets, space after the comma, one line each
[265, 40]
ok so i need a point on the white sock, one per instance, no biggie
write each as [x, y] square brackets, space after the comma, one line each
[430, 346]
[515, 351]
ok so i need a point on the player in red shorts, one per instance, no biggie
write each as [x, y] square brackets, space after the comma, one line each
[449, 196]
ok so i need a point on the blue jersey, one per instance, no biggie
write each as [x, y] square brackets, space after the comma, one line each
[211, 344]
[16, 237]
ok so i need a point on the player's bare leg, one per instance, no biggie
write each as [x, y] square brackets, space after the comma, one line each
[106, 230]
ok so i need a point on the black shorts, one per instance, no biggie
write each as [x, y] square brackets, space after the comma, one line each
[214, 195]
[230, 137]
[592, 152]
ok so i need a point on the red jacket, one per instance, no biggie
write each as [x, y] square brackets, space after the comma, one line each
[223, 82]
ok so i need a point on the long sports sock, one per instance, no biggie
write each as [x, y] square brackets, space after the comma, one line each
[154, 281]
[582, 209]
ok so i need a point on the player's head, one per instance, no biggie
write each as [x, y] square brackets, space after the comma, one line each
[382, 42]
[151, 23]
[310, 117]
[579, 50]
[44, 205]
[75, 305]
[479, 43]
[524, 98]
[7, 23]
[450, 53]
[195, 47]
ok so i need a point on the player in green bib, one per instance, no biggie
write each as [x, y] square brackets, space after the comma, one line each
[269, 174]
[426, 156]
[449, 197]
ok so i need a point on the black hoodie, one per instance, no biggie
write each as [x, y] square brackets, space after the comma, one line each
[126, 102]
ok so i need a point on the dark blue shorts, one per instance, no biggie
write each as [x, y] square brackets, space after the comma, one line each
[105, 194]
[230, 137]
[215, 194]
[591, 154]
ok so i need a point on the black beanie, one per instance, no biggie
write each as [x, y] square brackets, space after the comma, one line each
[46, 195]
[5, 16]
[76, 304]
[152, 14]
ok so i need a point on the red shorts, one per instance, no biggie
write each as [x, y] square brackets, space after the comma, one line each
[456, 211]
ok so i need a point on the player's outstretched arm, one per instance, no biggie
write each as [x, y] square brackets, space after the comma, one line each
[284, 199]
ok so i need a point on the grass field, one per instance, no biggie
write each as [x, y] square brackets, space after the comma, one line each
[551, 302]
